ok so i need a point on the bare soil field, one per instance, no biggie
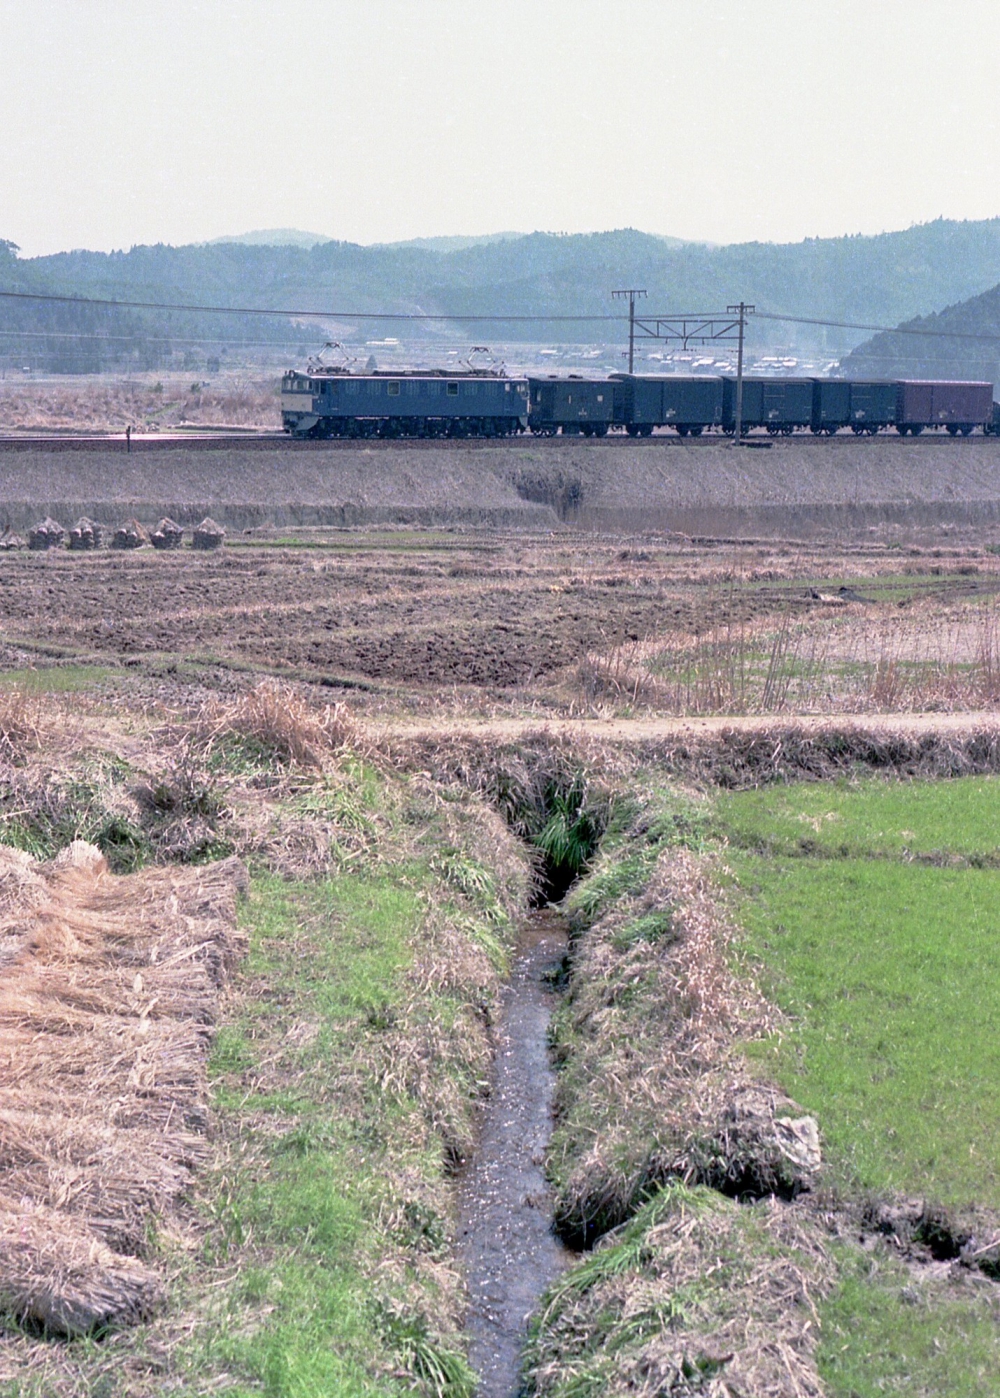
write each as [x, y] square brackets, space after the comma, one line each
[559, 624]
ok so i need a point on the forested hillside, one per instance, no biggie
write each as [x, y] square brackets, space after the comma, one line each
[887, 279]
[960, 342]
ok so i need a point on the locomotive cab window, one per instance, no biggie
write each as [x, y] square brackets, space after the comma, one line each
[453, 390]
[392, 388]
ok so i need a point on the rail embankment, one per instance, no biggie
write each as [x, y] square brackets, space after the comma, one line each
[795, 487]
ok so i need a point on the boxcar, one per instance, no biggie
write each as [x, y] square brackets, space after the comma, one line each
[955, 405]
[408, 404]
[861, 404]
[689, 403]
[573, 404]
[780, 405]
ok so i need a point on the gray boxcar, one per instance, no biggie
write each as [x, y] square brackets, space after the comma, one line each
[861, 404]
[780, 405]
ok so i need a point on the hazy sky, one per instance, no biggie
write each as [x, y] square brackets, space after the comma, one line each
[137, 121]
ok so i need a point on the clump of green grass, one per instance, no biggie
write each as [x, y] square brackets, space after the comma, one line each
[888, 973]
[42, 812]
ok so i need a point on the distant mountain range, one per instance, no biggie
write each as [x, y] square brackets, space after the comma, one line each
[886, 279]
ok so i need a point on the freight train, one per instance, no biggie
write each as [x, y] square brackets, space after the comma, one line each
[474, 402]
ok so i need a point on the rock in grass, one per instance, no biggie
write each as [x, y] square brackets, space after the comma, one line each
[47, 535]
[208, 535]
[762, 1145]
[85, 534]
[130, 535]
[167, 535]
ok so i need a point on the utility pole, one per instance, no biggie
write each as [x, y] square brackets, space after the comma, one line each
[742, 310]
[631, 292]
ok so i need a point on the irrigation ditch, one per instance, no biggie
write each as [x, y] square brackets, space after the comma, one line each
[629, 1155]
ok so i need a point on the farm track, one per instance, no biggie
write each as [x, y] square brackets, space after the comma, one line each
[669, 730]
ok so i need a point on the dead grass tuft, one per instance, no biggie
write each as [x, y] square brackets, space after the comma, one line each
[20, 724]
[275, 719]
[654, 1086]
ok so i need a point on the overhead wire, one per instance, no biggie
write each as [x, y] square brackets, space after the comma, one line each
[444, 317]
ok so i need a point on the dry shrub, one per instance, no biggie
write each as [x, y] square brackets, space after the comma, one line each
[654, 1085]
[20, 724]
[274, 719]
[109, 991]
[697, 1295]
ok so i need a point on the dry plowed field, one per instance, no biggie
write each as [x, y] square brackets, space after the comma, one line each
[425, 611]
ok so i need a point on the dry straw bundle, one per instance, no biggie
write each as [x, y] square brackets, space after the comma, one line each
[109, 992]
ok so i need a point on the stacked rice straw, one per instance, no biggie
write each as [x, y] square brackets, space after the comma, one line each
[108, 991]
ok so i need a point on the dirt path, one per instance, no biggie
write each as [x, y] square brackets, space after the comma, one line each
[645, 730]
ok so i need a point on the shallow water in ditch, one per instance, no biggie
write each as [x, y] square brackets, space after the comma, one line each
[506, 1245]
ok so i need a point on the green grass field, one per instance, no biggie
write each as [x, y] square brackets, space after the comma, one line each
[888, 970]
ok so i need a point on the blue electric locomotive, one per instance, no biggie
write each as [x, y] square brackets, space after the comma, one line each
[414, 403]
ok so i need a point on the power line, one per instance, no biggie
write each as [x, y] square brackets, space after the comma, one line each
[293, 314]
[411, 316]
[879, 329]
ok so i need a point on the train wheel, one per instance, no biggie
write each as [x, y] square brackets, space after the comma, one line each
[632, 429]
[902, 428]
[600, 429]
[952, 429]
[966, 428]
[916, 428]
[697, 430]
[681, 429]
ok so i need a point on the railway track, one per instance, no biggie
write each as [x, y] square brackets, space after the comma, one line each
[269, 440]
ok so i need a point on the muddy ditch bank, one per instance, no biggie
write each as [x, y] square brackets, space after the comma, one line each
[801, 487]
